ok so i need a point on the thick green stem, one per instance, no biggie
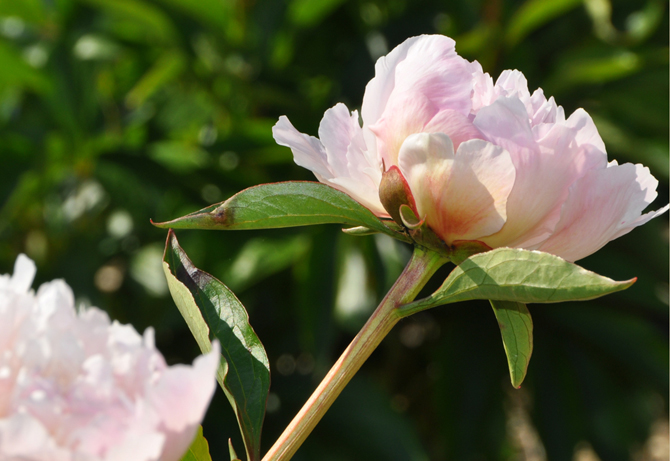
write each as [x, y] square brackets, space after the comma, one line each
[420, 268]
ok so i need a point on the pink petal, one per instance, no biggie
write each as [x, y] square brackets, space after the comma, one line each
[416, 81]
[24, 273]
[308, 152]
[183, 392]
[72, 386]
[457, 126]
[563, 155]
[181, 398]
[462, 196]
[340, 159]
[512, 83]
[505, 122]
[603, 205]
[23, 437]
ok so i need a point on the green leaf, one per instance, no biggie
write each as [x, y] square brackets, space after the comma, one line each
[199, 449]
[309, 13]
[139, 15]
[507, 274]
[16, 72]
[231, 451]
[178, 157]
[167, 68]
[211, 310]
[222, 15]
[516, 328]
[261, 257]
[533, 14]
[284, 204]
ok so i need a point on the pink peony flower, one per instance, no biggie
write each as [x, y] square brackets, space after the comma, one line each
[484, 162]
[75, 387]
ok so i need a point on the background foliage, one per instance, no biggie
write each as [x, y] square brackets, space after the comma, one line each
[116, 111]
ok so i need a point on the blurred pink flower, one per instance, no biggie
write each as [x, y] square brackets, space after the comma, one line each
[75, 387]
[486, 162]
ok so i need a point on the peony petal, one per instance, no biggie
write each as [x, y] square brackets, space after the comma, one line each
[462, 196]
[22, 437]
[562, 156]
[308, 152]
[416, 81]
[512, 83]
[380, 87]
[74, 387]
[457, 126]
[336, 130]
[603, 205]
[24, 273]
[182, 393]
[505, 123]
[181, 398]
[342, 160]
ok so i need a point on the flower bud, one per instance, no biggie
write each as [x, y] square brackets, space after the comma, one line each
[395, 192]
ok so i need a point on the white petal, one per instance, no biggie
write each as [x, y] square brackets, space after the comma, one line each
[24, 273]
[416, 81]
[308, 152]
[462, 196]
[545, 168]
[342, 160]
[22, 437]
[182, 394]
[380, 87]
[505, 123]
[602, 206]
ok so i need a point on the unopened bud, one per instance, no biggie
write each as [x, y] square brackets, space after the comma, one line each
[395, 192]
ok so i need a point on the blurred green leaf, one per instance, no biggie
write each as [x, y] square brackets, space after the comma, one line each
[262, 257]
[28, 10]
[643, 23]
[600, 12]
[507, 274]
[533, 14]
[603, 66]
[215, 312]
[286, 204]
[166, 68]
[309, 13]
[95, 47]
[516, 328]
[199, 449]
[222, 14]
[151, 21]
[231, 451]
[178, 157]
[16, 72]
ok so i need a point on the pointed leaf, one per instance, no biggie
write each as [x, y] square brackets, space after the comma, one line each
[284, 204]
[524, 276]
[516, 328]
[231, 451]
[211, 310]
[199, 449]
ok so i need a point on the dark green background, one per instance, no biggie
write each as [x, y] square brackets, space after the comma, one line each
[117, 111]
